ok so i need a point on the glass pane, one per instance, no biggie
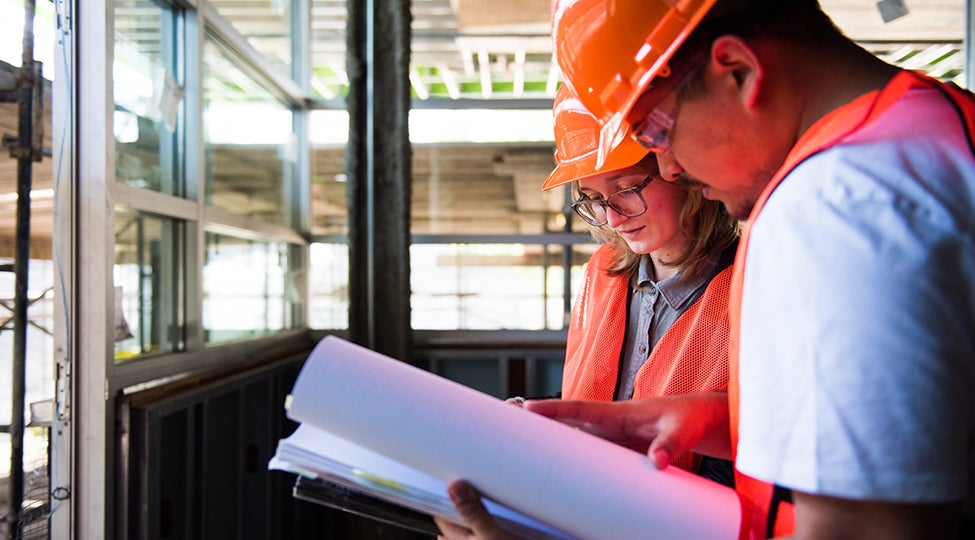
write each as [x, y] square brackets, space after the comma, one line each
[248, 288]
[148, 285]
[559, 301]
[39, 348]
[489, 286]
[12, 34]
[329, 207]
[484, 188]
[266, 25]
[147, 96]
[329, 78]
[482, 374]
[250, 142]
[494, 286]
[548, 377]
[482, 49]
[329, 286]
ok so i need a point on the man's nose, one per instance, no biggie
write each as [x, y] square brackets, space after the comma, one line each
[669, 168]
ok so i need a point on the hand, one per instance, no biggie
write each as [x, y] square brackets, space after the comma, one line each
[480, 524]
[661, 427]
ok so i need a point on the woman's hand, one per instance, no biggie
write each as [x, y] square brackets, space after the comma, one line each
[480, 524]
[661, 427]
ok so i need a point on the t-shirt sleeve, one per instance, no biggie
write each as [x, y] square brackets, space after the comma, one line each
[857, 337]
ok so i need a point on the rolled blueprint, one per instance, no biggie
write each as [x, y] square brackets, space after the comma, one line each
[560, 475]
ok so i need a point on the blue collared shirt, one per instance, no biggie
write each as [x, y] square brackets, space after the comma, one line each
[653, 308]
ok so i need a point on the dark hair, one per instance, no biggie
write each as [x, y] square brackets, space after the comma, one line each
[797, 22]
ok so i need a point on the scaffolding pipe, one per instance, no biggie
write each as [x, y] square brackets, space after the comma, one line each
[24, 151]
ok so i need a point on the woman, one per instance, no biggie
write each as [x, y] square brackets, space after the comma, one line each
[651, 318]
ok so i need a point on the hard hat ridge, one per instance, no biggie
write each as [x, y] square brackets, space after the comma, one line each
[577, 136]
[610, 51]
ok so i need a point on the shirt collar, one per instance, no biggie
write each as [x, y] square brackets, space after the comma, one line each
[675, 291]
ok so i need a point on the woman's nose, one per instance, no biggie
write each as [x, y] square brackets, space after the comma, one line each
[614, 218]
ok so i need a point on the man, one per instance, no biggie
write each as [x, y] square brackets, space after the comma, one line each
[855, 286]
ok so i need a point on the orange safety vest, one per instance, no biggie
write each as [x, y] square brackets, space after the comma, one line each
[691, 356]
[762, 515]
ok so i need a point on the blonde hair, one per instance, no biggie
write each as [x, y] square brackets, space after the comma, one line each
[706, 223]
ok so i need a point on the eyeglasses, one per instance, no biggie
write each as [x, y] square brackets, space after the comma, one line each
[654, 132]
[627, 202]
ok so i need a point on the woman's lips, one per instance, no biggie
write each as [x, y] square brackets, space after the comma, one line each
[632, 233]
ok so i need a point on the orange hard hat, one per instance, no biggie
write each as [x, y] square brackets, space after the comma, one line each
[610, 50]
[577, 143]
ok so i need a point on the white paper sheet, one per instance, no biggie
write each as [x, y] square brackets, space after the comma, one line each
[558, 474]
[316, 453]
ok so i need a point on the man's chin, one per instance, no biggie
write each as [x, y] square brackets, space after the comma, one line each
[690, 184]
[735, 208]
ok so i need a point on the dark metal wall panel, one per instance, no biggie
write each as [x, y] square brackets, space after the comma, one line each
[220, 440]
[175, 476]
[195, 464]
[258, 427]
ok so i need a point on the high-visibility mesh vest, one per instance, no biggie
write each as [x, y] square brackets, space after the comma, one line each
[691, 356]
[763, 515]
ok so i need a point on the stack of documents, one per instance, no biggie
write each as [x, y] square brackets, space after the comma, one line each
[399, 434]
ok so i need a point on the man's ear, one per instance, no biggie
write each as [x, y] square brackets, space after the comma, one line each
[731, 55]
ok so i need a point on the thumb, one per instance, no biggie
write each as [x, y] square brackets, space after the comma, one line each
[660, 453]
[667, 444]
[471, 509]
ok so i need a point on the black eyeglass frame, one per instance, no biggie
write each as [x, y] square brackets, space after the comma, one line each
[608, 202]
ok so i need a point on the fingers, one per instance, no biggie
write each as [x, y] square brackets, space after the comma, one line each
[660, 453]
[472, 511]
[662, 427]
[696, 422]
[619, 421]
[580, 411]
[450, 531]
[669, 440]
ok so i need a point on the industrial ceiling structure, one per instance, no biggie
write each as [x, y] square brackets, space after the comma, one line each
[502, 49]
[466, 54]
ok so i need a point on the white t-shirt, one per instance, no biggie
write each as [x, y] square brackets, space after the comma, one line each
[857, 359]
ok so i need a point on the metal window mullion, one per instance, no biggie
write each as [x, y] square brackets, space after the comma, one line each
[63, 138]
[258, 65]
[93, 362]
[169, 320]
[195, 179]
[140, 285]
[299, 255]
[170, 182]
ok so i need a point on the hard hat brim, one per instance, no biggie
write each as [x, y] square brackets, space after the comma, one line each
[627, 154]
